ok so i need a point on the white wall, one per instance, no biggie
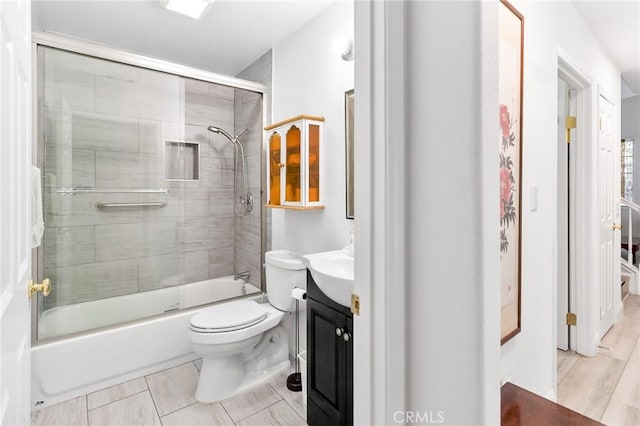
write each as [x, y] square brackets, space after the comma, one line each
[310, 78]
[452, 290]
[529, 359]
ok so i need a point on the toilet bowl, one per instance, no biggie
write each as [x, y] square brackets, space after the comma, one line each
[241, 342]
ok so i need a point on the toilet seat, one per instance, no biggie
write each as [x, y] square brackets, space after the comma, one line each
[228, 317]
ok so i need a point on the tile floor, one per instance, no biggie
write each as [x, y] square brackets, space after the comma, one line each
[166, 398]
[606, 387]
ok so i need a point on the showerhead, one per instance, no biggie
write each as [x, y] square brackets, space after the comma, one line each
[220, 131]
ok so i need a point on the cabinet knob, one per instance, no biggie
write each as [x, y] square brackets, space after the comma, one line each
[339, 331]
[346, 337]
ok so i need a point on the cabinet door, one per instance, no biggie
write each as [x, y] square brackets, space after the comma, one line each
[275, 169]
[313, 164]
[326, 374]
[292, 166]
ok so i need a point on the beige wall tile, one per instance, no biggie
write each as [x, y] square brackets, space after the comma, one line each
[196, 266]
[160, 271]
[134, 240]
[129, 170]
[81, 209]
[88, 130]
[205, 110]
[68, 89]
[69, 245]
[80, 283]
[65, 167]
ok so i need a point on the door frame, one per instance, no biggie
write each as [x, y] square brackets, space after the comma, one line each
[380, 373]
[583, 288]
[566, 215]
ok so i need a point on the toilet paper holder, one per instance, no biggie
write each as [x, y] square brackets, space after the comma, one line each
[294, 381]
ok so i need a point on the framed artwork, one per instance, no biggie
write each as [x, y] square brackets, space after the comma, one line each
[510, 59]
[348, 130]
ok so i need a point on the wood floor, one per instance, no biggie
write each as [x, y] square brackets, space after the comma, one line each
[166, 398]
[606, 387]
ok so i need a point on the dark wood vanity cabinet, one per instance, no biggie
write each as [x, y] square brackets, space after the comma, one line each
[330, 360]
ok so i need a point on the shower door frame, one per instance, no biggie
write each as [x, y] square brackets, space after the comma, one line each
[100, 51]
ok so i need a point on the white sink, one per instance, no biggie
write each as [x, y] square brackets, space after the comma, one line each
[333, 273]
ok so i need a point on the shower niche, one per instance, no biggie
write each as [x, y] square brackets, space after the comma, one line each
[181, 160]
[294, 177]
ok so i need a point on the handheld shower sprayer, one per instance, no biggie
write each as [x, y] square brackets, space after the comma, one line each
[246, 198]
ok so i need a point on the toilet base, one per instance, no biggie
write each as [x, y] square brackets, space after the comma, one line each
[227, 376]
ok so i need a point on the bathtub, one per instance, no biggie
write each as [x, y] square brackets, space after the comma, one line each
[80, 364]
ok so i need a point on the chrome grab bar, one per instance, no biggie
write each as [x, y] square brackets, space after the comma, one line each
[73, 191]
[141, 204]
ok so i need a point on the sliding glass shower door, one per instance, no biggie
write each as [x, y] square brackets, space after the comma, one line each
[138, 195]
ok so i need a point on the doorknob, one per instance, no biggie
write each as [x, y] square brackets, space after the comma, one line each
[616, 226]
[45, 288]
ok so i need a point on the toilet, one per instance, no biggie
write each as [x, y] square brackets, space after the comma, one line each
[242, 342]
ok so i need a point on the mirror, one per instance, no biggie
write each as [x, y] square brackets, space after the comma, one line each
[348, 130]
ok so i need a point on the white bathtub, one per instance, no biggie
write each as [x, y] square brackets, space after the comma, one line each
[77, 365]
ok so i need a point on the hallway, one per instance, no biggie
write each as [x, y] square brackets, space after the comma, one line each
[607, 386]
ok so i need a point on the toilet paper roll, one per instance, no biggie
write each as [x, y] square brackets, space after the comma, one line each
[298, 293]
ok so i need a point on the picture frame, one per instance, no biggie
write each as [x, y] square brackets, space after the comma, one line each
[348, 130]
[510, 94]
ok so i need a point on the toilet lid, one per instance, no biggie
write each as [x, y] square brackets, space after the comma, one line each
[229, 316]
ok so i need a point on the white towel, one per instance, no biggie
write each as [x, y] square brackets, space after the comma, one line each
[37, 221]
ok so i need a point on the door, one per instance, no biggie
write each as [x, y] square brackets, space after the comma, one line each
[15, 248]
[563, 217]
[608, 214]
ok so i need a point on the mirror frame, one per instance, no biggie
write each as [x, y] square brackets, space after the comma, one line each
[348, 132]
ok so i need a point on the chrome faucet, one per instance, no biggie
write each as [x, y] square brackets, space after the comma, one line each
[244, 275]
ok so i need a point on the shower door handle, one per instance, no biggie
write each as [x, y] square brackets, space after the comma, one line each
[44, 287]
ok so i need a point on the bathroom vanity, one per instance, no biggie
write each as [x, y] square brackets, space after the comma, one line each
[330, 359]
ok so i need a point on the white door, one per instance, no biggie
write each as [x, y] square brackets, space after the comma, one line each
[608, 213]
[15, 247]
[563, 218]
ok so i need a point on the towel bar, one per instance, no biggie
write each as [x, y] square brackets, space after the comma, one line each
[141, 204]
[73, 191]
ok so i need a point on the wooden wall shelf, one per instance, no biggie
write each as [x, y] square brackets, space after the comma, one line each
[275, 206]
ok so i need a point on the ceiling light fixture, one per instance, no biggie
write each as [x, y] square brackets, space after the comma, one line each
[192, 8]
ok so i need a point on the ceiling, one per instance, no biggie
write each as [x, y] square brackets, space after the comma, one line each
[234, 33]
[616, 23]
[231, 35]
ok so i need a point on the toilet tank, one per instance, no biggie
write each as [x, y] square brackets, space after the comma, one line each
[284, 271]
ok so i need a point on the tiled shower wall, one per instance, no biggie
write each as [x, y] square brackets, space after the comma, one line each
[248, 114]
[105, 126]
